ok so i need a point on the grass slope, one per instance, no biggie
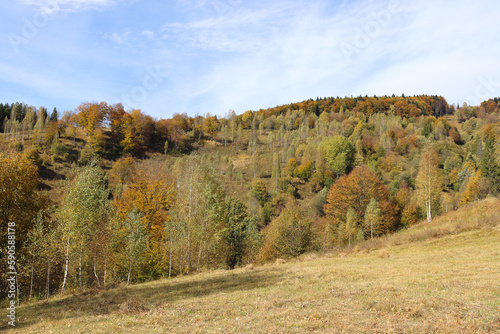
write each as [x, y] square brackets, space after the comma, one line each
[439, 277]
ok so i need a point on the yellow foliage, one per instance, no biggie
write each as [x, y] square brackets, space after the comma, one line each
[472, 192]
[150, 193]
[19, 197]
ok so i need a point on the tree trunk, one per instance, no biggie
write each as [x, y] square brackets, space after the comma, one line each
[80, 271]
[48, 280]
[129, 272]
[429, 215]
[105, 271]
[95, 274]
[170, 260]
[199, 256]
[371, 229]
[180, 263]
[17, 290]
[63, 289]
[32, 272]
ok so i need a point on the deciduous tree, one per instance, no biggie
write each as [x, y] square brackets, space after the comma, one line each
[339, 154]
[429, 182]
[355, 191]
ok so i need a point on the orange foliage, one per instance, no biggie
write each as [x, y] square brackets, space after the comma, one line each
[355, 191]
[151, 194]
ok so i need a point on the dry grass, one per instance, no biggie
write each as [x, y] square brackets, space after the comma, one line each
[485, 213]
[443, 281]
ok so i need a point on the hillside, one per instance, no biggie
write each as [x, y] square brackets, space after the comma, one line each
[107, 195]
[440, 277]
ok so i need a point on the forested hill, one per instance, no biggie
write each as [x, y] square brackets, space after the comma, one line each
[100, 194]
[136, 133]
[403, 106]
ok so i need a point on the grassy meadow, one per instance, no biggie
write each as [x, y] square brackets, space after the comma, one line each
[438, 277]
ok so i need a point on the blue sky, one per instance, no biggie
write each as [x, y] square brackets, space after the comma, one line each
[209, 56]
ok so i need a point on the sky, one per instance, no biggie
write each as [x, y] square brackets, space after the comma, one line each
[210, 56]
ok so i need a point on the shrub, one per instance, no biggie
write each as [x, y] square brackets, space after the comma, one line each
[18, 147]
[86, 155]
[287, 236]
[60, 150]
[34, 156]
[304, 170]
[259, 191]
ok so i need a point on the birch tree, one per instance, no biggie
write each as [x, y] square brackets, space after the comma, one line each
[135, 241]
[429, 182]
[84, 208]
[372, 218]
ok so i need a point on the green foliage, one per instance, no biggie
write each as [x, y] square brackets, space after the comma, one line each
[60, 150]
[87, 154]
[351, 226]
[453, 161]
[287, 236]
[136, 241]
[372, 219]
[489, 166]
[292, 165]
[427, 130]
[33, 155]
[259, 191]
[339, 154]
[86, 203]
[18, 147]
[241, 236]
[304, 170]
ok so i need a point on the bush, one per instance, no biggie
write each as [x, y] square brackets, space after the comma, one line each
[60, 150]
[34, 156]
[18, 147]
[86, 155]
[259, 191]
[304, 170]
[287, 236]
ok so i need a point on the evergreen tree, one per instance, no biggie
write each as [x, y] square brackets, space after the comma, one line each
[490, 168]
[54, 116]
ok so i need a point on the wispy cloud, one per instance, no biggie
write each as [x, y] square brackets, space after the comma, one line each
[148, 34]
[68, 5]
[222, 54]
[118, 38]
[284, 53]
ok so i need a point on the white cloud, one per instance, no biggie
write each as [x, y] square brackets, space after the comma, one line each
[284, 53]
[259, 54]
[67, 5]
[148, 33]
[118, 38]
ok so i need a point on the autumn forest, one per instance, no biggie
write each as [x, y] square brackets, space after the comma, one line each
[101, 195]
